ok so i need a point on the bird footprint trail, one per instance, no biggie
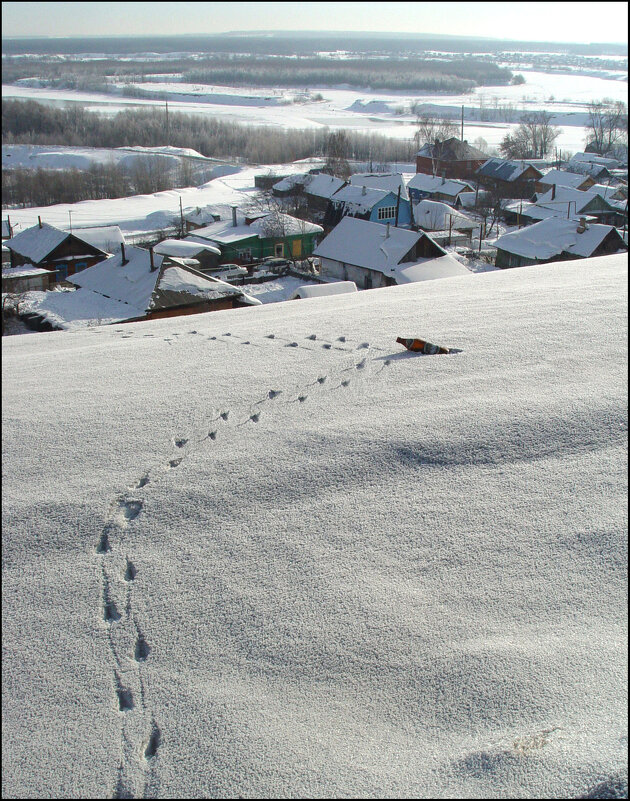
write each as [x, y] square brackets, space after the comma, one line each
[136, 775]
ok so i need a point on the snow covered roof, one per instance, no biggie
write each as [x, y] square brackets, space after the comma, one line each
[135, 284]
[593, 158]
[107, 238]
[37, 242]
[389, 182]
[505, 170]
[324, 185]
[434, 216]
[536, 212]
[202, 215]
[291, 181]
[578, 199]
[546, 240]
[434, 183]
[383, 248]
[183, 248]
[23, 271]
[469, 199]
[360, 198]
[452, 149]
[324, 290]
[563, 178]
[225, 232]
[6, 230]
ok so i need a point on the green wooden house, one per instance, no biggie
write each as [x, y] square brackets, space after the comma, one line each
[250, 237]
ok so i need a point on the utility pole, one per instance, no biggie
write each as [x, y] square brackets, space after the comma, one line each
[397, 206]
[450, 227]
[167, 136]
[181, 216]
[70, 216]
[462, 123]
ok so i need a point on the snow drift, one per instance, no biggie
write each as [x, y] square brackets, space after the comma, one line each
[268, 553]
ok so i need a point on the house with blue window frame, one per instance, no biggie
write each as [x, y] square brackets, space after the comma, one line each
[365, 203]
[61, 253]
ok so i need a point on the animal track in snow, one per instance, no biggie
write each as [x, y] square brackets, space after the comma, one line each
[302, 398]
[321, 379]
[224, 415]
[341, 339]
[142, 482]
[327, 346]
[292, 345]
[360, 365]
[345, 383]
[255, 418]
[103, 544]
[125, 698]
[312, 336]
[212, 434]
[363, 345]
[153, 742]
[175, 462]
[121, 790]
[179, 443]
[273, 393]
[130, 508]
[142, 650]
[270, 336]
[130, 571]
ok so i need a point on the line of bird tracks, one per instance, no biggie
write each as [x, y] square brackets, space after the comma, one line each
[140, 733]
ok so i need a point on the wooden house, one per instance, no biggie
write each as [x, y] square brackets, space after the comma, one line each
[557, 239]
[60, 252]
[374, 205]
[433, 187]
[511, 179]
[132, 286]
[374, 255]
[320, 189]
[248, 238]
[451, 158]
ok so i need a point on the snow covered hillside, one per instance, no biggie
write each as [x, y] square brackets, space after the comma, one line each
[268, 553]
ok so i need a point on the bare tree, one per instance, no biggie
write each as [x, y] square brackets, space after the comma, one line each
[533, 139]
[337, 150]
[432, 127]
[607, 125]
[11, 302]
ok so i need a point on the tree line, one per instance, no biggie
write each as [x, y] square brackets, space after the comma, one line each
[29, 122]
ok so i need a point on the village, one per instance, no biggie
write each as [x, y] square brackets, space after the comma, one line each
[321, 232]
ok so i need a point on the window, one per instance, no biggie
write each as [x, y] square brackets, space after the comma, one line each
[244, 255]
[278, 250]
[81, 265]
[387, 212]
[62, 272]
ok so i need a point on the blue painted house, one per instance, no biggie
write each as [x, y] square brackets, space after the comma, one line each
[373, 205]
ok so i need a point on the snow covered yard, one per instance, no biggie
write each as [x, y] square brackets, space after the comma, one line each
[264, 553]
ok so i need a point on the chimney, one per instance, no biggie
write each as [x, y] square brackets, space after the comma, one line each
[387, 232]
[553, 191]
[363, 190]
[582, 225]
[151, 260]
[39, 220]
[234, 223]
[124, 260]
[443, 178]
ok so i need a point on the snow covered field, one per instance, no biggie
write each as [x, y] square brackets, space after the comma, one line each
[385, 113]
[139, 215]
[268, 553]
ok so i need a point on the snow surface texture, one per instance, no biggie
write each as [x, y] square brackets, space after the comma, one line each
[269, 553]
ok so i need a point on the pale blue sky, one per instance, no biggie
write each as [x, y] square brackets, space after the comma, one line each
[564, 22]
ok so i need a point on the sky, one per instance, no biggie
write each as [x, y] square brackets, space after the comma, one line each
[606, 22]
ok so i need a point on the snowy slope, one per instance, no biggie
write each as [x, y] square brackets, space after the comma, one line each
[268, 553]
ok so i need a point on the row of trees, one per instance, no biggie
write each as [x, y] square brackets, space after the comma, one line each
[28, 122]
[607, 130]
